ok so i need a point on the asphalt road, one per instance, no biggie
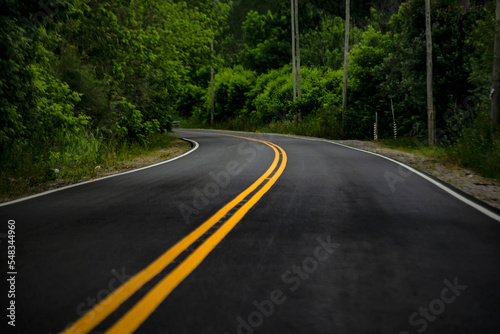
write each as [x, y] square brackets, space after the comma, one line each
[313, 237]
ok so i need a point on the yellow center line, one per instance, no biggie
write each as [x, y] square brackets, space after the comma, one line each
[109, 304]
[141, 311]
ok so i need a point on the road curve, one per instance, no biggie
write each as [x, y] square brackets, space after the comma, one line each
[286, 235]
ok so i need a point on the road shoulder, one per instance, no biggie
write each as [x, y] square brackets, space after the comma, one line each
[482, 188]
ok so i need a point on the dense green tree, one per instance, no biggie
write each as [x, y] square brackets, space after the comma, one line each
[405, 69]
[110, 68]
[266, 43]
[80, 72]
[231, 86]
[31, 98]
[324, 45]
[365, 95]
[360, 9]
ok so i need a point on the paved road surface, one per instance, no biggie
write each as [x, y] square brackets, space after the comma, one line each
[313, 237]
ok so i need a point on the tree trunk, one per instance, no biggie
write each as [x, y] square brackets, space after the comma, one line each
[212, 102]
[431, 118]
[495, 98]
[466, 4]
[346, 61]
[293, 51]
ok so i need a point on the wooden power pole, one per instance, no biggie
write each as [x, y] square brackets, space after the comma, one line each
[431, 117]
[299, 90]
[495, 97]
[212, 102]
[346, 61]
[293, 50]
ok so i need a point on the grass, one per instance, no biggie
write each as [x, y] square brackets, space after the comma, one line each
[323, 125]
[77, 158]
[480, 154]
[414, 146]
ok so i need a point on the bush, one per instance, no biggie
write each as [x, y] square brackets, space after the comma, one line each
[326, 124]
[272, 97]
[131, 125]
[230, 88]
[191, 101]
[477, 148]
[365, 78]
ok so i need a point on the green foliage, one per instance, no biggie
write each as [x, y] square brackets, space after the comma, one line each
[271, 98]
[324, 46]
[191, 101]
[365, 95]
[476, 148]
[82, 79]
[326, 124]
[405, 69]
[16, 95]
[360, 9]
[131, 125]
[75, 69]
[230, 88]
[482, 55]
[267, 43]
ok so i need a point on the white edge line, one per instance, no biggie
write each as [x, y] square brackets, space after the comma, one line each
[196, 145]
[450, 191]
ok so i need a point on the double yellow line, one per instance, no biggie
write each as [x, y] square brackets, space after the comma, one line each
[129, 322]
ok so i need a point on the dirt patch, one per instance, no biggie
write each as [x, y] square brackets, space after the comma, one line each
[482, 188]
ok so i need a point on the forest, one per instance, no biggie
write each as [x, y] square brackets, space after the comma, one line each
[86, 81]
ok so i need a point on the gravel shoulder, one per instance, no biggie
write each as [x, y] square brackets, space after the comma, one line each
[482, 188]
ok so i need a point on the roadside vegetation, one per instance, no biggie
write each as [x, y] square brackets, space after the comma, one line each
[473, 149]
[253, 85]
[82, 160]
[89, 83]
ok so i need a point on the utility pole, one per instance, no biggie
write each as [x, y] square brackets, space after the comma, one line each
[299, 93]
[212, 98]
[495, 96]
[431, 117]
[293, 51]
[212, 102]
[346, 61]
